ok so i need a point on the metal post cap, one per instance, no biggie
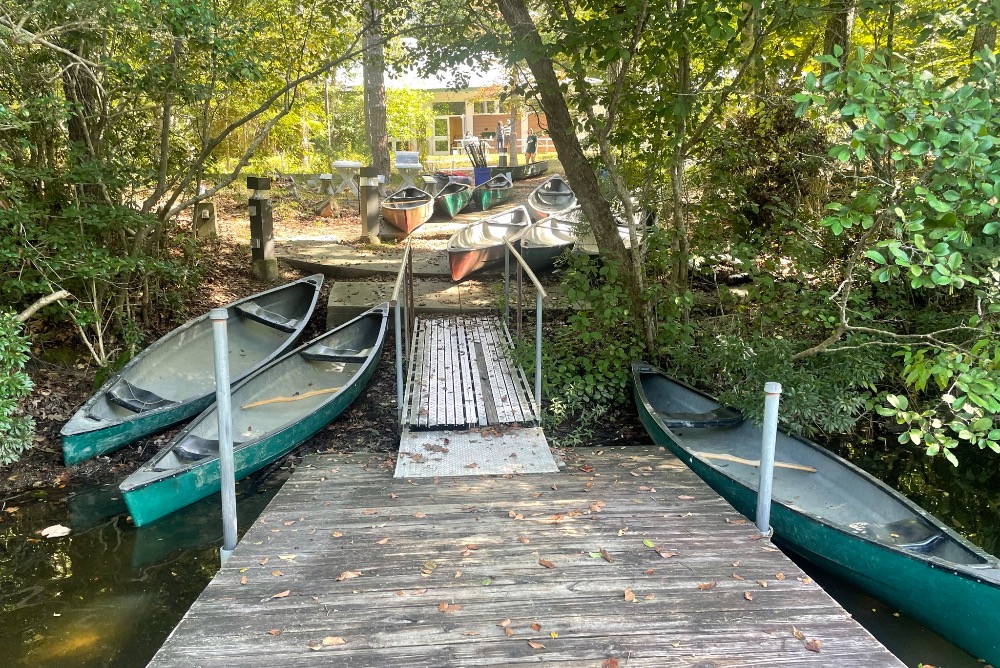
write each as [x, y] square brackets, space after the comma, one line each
[219, 314]
[772, 388]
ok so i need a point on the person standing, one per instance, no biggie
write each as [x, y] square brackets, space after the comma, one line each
[529, 147]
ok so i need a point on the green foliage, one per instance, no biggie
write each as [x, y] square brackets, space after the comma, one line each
[16, 430]
[587, 363]
[922, 208]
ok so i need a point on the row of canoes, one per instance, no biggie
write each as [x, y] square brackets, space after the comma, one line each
[409, 208]
[834, 514]
[280, 396]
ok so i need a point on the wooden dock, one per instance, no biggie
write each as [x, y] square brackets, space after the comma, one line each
[623, 558]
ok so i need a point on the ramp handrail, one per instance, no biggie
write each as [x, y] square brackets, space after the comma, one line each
[540, 294]
[404, 283]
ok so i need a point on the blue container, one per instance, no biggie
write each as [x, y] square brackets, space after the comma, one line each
[482, 174]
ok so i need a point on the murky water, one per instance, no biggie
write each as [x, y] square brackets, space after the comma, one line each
[109, 594]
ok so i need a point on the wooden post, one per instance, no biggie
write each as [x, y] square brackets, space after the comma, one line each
[369, 201]
[262, 260]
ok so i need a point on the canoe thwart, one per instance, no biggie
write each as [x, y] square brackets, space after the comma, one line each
[722, 416]
[296, 397]
[751, 462]
[255, 311]
[321, 353]
[136, 399]
[195, 448]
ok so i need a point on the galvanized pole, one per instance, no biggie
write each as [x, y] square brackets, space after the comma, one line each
[772, 396]
[506, 285]
[227, 471]
[399, 361]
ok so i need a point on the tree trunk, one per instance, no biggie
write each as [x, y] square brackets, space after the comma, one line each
[838, 30]
[374, 72]
[985, 37]
[562, 130]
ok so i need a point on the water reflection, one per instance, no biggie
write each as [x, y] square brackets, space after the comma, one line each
[108, 594]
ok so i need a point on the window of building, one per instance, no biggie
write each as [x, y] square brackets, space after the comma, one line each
[440, 126]
[487, 107]
[449, 108]
[441, 145]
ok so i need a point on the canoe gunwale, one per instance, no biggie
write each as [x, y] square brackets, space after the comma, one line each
[971, 571]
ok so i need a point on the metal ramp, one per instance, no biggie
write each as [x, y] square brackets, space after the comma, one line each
[467, 408]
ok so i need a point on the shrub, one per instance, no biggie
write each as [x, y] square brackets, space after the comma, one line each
[16, 429]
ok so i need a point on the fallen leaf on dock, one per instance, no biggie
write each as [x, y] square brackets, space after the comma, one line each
[287, 557]
[472, 465]
[508, 631]
[419, 515]
[274, 632]
[704, 586]
[505, 623]
[685, 497]
[370, 511]
[276, 573]
[335, 534]
[762, 583]
[243, 580]
[629, 596]
[737, 576]
[347, 575]
[798, 635]
[282, 594]
[665, 554]
[382, 542]
[607, 556]
[648, 543]
[333, 641]
[523, 539]
[780, 576]
[444, 606]
[536, 627]
[546, 563]
[418, 592]
[748, 596]
[535, 645]
[610, 662]
[813, 645]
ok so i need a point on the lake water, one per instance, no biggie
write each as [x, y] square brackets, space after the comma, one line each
[109, 594]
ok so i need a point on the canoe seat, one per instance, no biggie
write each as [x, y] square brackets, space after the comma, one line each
[195, 448]
[136, 399]
[321, 353]
[255, 311]
[723, 416]
[912, 535]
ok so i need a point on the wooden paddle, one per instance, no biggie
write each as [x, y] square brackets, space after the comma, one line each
[752, 462]
[278, 400]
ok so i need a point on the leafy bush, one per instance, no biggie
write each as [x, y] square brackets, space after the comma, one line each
[16, 430]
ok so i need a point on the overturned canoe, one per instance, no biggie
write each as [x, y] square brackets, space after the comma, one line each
[273, 411]
[407, 209]
[551, 198]
[492, 192]
[834, 514]
[587, 244]
[174, 378]
[481, 243]
[452, 198]
[546, 239]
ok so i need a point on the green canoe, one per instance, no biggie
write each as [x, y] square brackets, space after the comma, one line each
[452, 198]
[835, 515]
[492, 192]
[174, 378]
[274, 410]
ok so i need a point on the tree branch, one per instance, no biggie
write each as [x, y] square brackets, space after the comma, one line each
[41, 303]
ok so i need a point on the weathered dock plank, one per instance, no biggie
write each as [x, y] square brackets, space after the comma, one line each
[425, 572]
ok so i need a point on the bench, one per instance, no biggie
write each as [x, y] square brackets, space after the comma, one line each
[722, 416]
[255, 311]
[136, 399]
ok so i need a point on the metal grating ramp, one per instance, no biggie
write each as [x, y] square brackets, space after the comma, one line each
[460, 376]
[489, 451]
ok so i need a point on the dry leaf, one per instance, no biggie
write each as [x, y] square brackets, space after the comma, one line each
[813, 645]
[685, 497]
[332, 641]
[274, 632]
[288, 523]
[762, 583]
[282, 594]
[649, 571]
[419, 515]
[507, 631]
[736, 564]
[535, 645]
[382, 542]
[263, 562]
[243, 580]
[665, 554]
[276, 573]
[737, 576]
[505, 623]
[418, 592]
[523, 539]
[607, 556]
[629, 596]
[335, 534]
[707, 585]
[472, 465]
[347, 575]
[805, 580]
[536, 627]
[547, 564]
[443, 606]
[779, 576]
[470, 633]
[748, 596]
[370, 511]
[649, 597]
[798, 635]
[610, 662]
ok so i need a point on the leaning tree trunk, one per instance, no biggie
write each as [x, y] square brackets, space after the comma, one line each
[985, 37]
[838, 30]
[562, 130]
[373, 63]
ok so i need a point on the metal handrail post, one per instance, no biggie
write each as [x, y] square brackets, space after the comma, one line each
[520, 296]
[538, 351]
[399, 363]
[411, 300]
[224, 414]
[506, 284]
